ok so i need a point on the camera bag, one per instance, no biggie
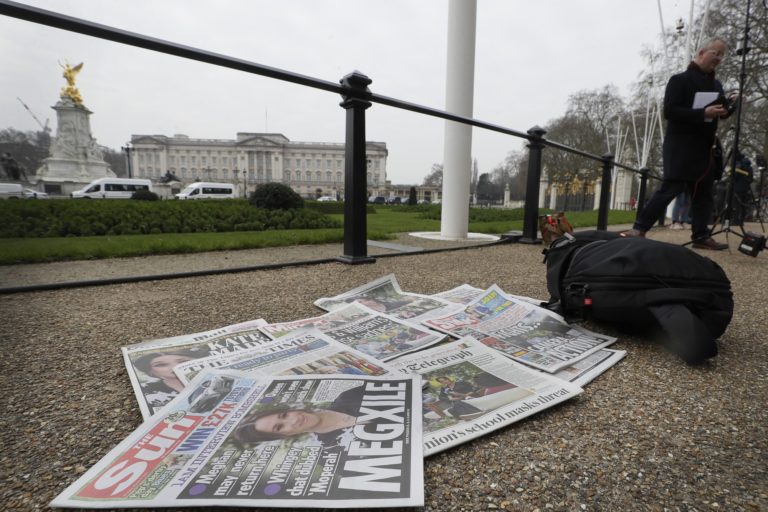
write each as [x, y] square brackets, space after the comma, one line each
[641, 285]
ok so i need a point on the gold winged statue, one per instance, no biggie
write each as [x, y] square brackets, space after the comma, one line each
[70, 91]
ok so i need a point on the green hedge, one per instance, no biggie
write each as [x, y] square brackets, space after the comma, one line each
[475, 214]
[94, 217]
[333, 206]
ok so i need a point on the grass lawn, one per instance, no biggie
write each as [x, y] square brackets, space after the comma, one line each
[382, 225]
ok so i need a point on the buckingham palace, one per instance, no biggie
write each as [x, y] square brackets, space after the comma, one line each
[312, 169]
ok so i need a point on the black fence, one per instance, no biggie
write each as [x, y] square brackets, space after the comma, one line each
[357, 98]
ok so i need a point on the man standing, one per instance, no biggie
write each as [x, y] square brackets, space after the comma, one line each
[689, 163]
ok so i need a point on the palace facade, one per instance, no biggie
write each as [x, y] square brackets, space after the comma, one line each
[312, 169]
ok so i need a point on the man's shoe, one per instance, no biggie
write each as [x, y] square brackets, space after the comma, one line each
[709, 244]
[633, 233]
[677, 226]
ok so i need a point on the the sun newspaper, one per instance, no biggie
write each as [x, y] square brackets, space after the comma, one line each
[150, 364]
[523, 331]
[303, 352]
[471, 390]
[385, 296]
[230, 439]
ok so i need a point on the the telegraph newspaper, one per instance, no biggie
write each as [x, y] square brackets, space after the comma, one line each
[235, 440]
[300, 353]
[385, 296]
[150, 364]
[471, 390]
[525, 332]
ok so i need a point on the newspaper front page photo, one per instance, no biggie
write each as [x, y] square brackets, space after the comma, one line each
[237, 440]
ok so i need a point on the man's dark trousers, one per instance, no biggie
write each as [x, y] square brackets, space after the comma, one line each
[700, 209]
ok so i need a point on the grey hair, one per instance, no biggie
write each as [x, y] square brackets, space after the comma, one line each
[708, 42]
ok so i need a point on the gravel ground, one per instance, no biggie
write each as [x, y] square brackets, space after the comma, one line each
[650, 434]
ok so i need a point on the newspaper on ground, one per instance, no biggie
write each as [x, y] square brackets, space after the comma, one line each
[523, 331]
[301, 353]
[465, 293]
[382, 336]
[587, 369]
[150, 364]
[344, 315]
[471, 390]
[462, 294]
[230, 439]
[385, 296]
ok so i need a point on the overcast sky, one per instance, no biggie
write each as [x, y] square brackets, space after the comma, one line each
[530, 56]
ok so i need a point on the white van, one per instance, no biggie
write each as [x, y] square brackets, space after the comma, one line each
[11, 191]
[112, 188]
[206, 190]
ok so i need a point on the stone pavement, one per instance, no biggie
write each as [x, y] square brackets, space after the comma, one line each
[650, 434]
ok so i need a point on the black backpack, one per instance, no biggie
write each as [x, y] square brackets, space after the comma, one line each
[641, 285]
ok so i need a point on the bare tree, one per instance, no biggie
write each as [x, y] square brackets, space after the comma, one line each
[435, 176]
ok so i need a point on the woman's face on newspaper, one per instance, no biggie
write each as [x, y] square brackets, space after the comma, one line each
[162, 366]
[288, 423]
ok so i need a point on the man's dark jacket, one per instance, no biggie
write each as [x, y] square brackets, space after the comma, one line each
[688, 142]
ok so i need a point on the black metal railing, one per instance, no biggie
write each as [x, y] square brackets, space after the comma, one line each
[357, 98]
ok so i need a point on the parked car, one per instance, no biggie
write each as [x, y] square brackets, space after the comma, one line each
[395, 200]
[206, 190]
[11, 191]
[324, 199]
[377, 199]
[422, 201]
[34, 194]
[112, 188]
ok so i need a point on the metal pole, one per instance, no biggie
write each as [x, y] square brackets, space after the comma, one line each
[355, 229]
[641, 194]
[531, 209]
[737, 132]
[605, 190]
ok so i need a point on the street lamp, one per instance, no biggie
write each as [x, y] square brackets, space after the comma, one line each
[128, 148]
[245, 184]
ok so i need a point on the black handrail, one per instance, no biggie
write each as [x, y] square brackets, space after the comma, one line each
[355, 170]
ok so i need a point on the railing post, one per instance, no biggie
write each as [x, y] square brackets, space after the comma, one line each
[643, 187]
[355, 198]
[531, 210]
[605, 192]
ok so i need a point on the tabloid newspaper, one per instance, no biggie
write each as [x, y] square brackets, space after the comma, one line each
[471, 390]
[587, 369]
[304, 352]
[525, 332]
[343, 315]
[465, 293]
[385, 296]
[235, 440]
[382, 336]
[150, 364]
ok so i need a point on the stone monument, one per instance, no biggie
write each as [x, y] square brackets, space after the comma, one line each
[75, 158]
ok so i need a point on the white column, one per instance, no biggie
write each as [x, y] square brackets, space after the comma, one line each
[553, 197]
[460, 74]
